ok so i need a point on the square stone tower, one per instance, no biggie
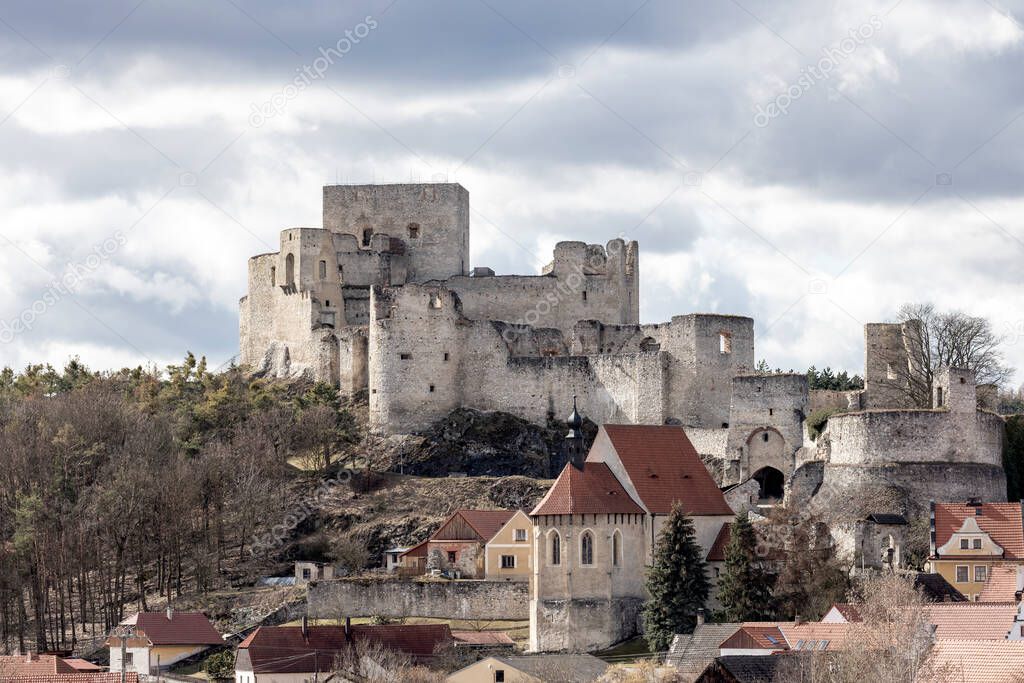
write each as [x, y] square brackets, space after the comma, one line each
[431, 219]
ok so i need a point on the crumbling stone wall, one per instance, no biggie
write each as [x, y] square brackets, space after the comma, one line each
[766, 421]
[483, 600]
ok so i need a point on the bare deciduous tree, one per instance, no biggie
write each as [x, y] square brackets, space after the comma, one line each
[950, 338]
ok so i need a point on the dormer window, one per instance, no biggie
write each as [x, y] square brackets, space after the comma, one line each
[976, 544]
[965, 544]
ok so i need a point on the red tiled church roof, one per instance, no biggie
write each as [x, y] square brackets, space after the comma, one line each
[664, 468]
[593, 489]
[1001, 521]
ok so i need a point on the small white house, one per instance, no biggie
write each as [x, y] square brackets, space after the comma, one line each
[160, 640]
[312, 571]
[391, 558]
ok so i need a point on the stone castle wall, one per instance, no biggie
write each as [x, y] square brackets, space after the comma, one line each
[766, 421]
[483, 600]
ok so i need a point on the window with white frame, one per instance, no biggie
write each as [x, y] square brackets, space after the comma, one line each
[977, 544]
[556, 548]
[965, 543]
[963, 573]
[508, 561]
[980, 573]
[520, 535]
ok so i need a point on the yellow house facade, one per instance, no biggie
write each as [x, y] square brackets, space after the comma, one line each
[968, 539]
[508, 555]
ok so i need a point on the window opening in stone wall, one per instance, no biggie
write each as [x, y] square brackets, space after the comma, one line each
[451, 555]
[273, 276]
[616, 548]
[584, 295]
[556, 548]
[405, 356]
[724, 342]
[435, 301]
[963, 380]
[289, 269]
[367, 234]
[771, 411]
[431, 388]
[327, 303]
[414, 230]
[890, 371]
[938, 398]
[587, 548]
[764, 437]
[323, 270]
[446, 356]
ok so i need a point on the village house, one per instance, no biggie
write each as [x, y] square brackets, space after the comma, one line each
[969, 539]
[312, 571]
[597, 527]
[564, 668]
[301, 654]
[162, 639]
[476, 544]
[34, 668]
[393, 558]
[1005, 584]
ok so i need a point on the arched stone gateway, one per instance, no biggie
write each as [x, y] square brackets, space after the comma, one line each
[772, 485]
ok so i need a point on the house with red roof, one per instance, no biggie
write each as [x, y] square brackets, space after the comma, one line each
[597, 527]
[296, 654]
[969, 540]
[33, 668]
[158, 640]
[475, 544]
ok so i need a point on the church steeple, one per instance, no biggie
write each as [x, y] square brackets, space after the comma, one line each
[574, 438]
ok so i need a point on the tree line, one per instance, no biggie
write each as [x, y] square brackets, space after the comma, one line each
[115, 487]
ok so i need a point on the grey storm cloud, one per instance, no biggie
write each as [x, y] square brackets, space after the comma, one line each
[105, 109]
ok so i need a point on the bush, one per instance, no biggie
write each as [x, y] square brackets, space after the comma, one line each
[818, 420]
[220, 666]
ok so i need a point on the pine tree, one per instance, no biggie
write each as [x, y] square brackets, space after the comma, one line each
[745, 589]
[676, 583]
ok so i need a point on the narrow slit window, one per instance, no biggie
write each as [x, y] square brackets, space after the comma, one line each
[724, 342]
[323, 270]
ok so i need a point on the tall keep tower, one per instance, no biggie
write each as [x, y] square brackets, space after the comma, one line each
[431, 219]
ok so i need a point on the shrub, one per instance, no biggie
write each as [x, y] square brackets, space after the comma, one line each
[818, 420]
[220, 666]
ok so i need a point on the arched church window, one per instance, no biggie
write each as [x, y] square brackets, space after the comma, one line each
[556, 548]
[586, 548]
[289, 269]
[617, 549]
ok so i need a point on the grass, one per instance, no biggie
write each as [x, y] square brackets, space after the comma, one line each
[627, 651]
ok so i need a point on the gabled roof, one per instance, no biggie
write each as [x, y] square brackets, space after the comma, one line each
[486, 523]
[593, 489]
[32, 664]
[756, 637]
[283, 649]
[82, 665]
[1001, 521]
[937, 589]
[664, 468]
[979, 661]
[972, 620]
[183, 628]
[1002, 584]
[570, 668]
[846, 610]
[694, 651]
[748, 668]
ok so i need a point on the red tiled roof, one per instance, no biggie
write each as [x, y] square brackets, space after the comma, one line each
[1001, 521]
[283, 649]
[664, 468]
[812, 635]
[593, 489]
[756, 637]
[81, 664]
[1001, 585]
[26, 665]
[979, 661]
[848, 610]
[971, 620]
[717, 552]
[183, 628]
[486, 523]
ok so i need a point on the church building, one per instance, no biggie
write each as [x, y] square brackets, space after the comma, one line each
[595, 530]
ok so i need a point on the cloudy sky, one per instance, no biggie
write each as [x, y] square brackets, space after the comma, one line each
[810, 164]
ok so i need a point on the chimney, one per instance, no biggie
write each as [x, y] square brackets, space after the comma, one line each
[700, 616]
[305, 627]
[574, 439]
[797, 620]
[348, 629]
[170, 612]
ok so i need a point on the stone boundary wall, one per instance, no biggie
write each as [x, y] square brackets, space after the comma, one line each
[488, 600]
